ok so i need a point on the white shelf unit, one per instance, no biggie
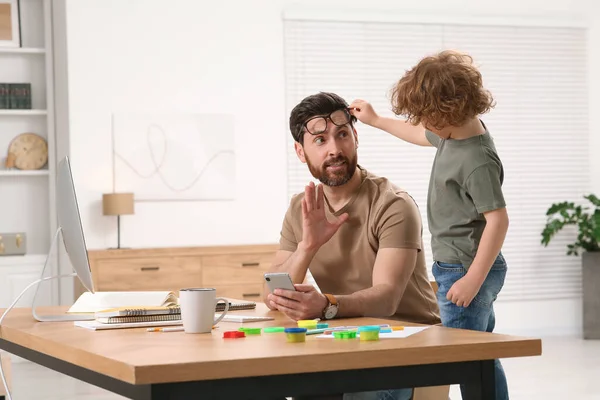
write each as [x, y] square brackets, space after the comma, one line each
[23, 50]
[41, 172]
[28, 203]
[22, 113]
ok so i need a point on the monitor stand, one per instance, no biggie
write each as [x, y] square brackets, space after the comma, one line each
[54, 318]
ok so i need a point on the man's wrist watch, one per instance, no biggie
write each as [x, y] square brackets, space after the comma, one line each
[331, 309]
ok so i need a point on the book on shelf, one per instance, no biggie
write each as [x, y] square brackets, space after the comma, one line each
[15, 96]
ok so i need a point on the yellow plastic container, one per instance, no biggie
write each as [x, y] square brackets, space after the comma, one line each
[307, 323]
[295, 335]
[369, 333]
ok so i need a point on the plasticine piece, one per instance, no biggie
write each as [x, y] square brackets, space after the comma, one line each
[307, 323]
[397, 328]
[233, 334]
[274, 329]
[322, 325]
[250, 331]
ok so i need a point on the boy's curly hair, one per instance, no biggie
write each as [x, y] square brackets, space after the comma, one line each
[442, 90]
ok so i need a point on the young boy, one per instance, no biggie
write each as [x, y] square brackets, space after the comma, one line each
[442, 98]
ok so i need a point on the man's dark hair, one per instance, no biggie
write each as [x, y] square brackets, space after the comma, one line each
[317, 104]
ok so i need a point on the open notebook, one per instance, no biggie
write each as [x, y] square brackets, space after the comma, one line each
[130, 304]
[92, 303]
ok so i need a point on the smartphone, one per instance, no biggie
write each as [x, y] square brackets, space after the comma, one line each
[279, 280]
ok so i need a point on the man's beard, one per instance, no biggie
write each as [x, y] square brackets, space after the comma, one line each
[334, 178]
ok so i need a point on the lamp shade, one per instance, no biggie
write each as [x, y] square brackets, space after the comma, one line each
[117, 203]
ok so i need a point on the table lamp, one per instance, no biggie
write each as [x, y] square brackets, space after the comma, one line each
[117, 204]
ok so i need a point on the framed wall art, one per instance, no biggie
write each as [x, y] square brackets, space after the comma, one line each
[10, 30]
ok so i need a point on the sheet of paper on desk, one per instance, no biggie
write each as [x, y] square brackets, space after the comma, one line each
[406, 332]
[243, 318]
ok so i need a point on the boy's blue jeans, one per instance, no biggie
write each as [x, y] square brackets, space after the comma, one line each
[479, 315]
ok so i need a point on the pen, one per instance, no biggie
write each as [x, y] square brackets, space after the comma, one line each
[356, 327]
[176, 329]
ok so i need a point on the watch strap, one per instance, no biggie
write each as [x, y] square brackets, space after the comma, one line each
[331, 298]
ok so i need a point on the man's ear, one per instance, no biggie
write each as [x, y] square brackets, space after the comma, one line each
[300, 151]
[355, 136]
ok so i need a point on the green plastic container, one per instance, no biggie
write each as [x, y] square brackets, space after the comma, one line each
[344, 335]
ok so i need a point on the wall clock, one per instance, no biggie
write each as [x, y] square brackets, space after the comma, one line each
[28, 151]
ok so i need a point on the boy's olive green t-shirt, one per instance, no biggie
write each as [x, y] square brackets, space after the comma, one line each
[466, 181]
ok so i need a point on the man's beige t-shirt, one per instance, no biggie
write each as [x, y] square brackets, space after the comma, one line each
[381, 215]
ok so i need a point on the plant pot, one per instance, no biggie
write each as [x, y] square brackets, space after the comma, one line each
[591, 294]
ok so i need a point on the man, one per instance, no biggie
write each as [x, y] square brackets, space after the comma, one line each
[360, 236]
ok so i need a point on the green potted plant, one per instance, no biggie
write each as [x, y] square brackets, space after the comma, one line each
[587, 221]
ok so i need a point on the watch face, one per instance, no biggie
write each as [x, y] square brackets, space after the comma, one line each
[331, 312]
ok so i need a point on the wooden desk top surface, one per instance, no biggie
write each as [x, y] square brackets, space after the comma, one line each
[139, 357]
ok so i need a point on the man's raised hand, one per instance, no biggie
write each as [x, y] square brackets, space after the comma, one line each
[316, 229]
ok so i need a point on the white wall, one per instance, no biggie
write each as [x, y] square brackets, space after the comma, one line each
[140, 56]
[594, 90]
[228, 57]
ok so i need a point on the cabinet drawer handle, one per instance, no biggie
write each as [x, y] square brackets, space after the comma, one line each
[250, 264]
[150, 268]
[250, 294]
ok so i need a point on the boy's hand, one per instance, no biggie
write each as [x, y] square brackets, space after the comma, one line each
[363, 111]
[464, 291]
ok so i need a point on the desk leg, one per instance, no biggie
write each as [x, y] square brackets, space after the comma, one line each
[485, 387]
[488, 380]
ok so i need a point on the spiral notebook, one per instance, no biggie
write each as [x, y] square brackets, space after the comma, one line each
[98, 326]
[162, 310]
[141, 318]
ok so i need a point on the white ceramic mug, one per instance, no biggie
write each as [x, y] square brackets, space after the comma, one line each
[198, 309]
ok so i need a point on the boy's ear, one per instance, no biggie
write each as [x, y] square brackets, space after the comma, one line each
[300, 151]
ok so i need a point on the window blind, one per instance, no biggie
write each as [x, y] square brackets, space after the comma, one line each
[537, 76]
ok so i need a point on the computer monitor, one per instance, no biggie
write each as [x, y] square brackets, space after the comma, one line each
[69, 222]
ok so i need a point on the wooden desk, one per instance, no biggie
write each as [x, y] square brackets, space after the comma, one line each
[144, 365]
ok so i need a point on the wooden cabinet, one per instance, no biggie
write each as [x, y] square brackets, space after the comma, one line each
[235, 271]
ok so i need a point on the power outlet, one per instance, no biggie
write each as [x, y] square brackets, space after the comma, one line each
[13, 244]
